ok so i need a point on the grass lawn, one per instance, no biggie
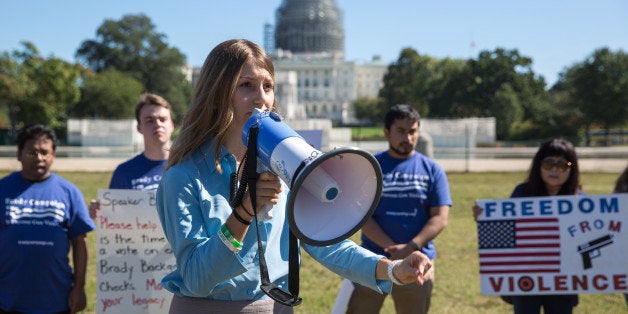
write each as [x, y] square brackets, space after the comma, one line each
[457, 287]
[368, 133]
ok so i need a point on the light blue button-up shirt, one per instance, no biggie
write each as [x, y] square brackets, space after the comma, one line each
[193, 202]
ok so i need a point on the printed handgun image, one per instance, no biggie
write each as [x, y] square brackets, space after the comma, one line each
[591, 249]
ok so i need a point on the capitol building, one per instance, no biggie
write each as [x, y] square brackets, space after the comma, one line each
[313, 78]
[315, 87]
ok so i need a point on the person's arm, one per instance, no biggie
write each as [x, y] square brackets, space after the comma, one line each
[368, 269]
[415, 268]
[77, 301]
[268, 188]
[477, 211]
[191, 224]
[436, 224]
[375, 233]
[94, 208]
[192, 212]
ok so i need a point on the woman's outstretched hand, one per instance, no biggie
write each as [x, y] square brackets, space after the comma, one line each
[416, 267]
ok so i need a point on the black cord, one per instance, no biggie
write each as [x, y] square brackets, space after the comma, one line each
[237, 192]
[239, 218]
[273, 291]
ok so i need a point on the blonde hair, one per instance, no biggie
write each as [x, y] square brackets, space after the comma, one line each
[211, 110]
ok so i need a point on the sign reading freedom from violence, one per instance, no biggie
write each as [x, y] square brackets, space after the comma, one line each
[133, 254]
[554, 245]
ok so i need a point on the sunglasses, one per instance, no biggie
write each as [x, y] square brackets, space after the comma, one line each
[37, 155]
[560, 164]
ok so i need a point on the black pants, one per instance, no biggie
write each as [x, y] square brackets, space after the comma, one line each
[551, 304]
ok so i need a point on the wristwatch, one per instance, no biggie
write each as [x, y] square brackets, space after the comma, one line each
[413, 245]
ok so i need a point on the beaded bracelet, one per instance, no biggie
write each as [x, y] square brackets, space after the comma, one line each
[234, 245]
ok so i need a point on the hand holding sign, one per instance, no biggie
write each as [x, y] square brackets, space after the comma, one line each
[535, 244]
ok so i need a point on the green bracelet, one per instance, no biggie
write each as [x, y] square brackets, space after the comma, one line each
[237, 244]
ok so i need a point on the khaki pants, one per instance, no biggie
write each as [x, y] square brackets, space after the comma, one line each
[408, 299]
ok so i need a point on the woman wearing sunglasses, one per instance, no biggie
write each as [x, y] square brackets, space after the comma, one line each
[554, 171]
[215, 241]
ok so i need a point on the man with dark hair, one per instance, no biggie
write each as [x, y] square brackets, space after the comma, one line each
[412, 211]
[41, 216]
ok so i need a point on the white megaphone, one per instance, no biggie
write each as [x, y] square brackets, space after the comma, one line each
[332, 194]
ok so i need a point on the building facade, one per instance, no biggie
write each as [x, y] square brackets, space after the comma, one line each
[309, 41]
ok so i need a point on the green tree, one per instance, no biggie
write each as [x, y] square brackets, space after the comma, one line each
[448, 88]
[409, 81]
[492, 69]
[506, 109]
[368, 109]
[108, 94]
[15, 86]
[131, 45]
[598, 89]
[37, 90]
[499, 83]
[500, 78]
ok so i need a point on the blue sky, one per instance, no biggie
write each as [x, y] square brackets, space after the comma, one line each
[555, 34]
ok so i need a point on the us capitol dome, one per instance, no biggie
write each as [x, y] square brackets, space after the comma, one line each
[313, 80]
[310, 26]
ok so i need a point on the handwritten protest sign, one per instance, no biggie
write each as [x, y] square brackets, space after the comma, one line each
[133, 254]
[554, 245]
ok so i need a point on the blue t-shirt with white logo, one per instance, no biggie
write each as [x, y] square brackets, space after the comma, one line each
[138, 173]
[411, 187]
[37, 222]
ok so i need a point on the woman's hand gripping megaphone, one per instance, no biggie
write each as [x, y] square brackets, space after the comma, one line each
[268, 189]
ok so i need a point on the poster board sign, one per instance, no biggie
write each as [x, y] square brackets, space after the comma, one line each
[554, 245]
[133, 254]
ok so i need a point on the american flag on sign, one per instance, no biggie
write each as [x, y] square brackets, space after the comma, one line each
[519, 246]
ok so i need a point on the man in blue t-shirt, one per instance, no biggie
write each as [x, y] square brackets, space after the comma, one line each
[143, 172]
[412, 211]
[42, 215]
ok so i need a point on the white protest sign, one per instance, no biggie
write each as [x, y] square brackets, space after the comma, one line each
[554, 245]
[133, 254]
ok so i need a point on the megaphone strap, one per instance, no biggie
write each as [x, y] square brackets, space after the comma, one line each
[250, 175]
[237, 192]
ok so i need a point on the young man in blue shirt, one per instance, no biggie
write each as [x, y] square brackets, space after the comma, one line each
[144, 171]
[412, 211]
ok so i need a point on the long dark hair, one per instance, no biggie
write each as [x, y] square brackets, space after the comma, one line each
[621, 185]
[558, 147]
